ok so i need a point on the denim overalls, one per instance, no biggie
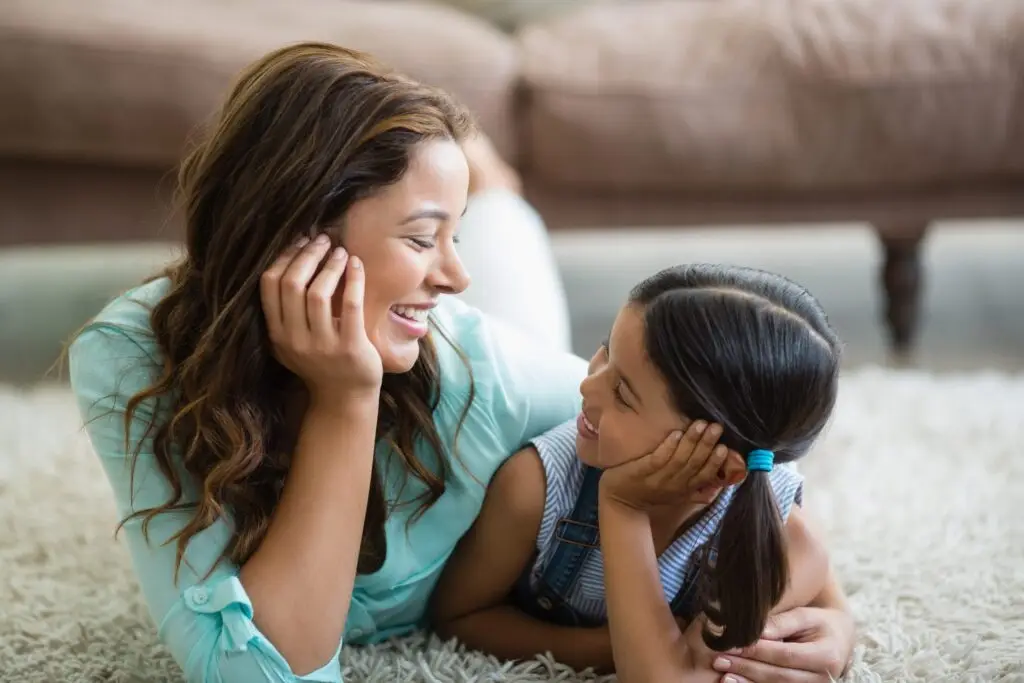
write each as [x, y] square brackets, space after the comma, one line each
[576, 536]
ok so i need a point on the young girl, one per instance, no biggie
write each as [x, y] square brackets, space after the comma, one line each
[711, 379]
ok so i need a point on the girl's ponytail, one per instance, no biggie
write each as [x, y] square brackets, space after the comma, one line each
[748, 571]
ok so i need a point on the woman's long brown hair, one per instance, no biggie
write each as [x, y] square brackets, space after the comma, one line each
[306, 131]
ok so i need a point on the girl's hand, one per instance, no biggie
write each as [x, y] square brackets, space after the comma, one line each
[332, 355]
[677, 468]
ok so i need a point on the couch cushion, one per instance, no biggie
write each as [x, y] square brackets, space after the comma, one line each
[776, 94]
[512, 14]
[125, 81]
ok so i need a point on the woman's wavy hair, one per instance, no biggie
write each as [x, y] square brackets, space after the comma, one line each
[755, 353]
[306, 131]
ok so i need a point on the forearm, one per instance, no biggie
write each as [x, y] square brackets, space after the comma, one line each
[831, 595]
[833, 598]
[646, 641]
[300, 579]
[509, 633]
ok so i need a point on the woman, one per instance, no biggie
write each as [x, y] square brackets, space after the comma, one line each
[296, 422]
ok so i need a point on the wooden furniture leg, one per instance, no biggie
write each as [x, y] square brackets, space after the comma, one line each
[902, 276]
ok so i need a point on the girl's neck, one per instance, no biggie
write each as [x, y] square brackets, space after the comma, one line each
[669, 524]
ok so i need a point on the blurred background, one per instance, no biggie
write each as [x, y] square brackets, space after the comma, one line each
[871, 149]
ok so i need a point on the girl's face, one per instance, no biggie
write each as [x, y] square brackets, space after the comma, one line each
[627, 409]
[405, 235]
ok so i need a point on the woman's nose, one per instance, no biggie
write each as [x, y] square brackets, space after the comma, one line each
[450, 276]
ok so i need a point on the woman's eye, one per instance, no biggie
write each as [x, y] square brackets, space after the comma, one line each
[618, 395]
[422, 242]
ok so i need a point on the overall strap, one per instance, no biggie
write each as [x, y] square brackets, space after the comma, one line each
[575, 537]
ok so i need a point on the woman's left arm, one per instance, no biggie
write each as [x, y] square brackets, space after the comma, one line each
[806, 644]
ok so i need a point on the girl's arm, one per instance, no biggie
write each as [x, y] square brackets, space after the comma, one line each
[809, 564]
[471, 599]
[647, 642]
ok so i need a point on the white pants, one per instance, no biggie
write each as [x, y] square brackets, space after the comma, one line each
[504, 246]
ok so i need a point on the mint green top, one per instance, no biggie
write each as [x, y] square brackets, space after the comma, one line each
[521, 392]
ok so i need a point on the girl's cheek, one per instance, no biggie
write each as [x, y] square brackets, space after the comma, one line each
[612, 453]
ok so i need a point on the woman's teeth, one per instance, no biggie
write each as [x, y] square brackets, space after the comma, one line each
[416, 314]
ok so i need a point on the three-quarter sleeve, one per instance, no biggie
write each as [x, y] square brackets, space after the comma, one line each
[204, 618]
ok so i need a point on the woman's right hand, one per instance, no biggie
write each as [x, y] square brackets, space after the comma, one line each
[332, 355]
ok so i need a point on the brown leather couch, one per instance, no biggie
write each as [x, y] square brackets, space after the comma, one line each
[672, 113]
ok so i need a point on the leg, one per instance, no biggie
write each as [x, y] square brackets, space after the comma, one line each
[901, 279]
[505, 247]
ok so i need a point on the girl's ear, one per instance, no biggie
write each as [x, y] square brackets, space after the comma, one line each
[733, 470]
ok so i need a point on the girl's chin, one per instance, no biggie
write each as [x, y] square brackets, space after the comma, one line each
[587, 453]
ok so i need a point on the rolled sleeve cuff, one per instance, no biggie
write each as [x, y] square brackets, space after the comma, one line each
[228, 599]
[214, 633]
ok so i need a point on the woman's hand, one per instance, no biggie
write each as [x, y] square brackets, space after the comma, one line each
[332, 354]
[803, 645]
[678, 467]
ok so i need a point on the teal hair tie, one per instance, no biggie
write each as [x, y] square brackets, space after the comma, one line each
[760, 460]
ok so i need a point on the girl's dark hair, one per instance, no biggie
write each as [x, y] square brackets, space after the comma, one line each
[753, 352]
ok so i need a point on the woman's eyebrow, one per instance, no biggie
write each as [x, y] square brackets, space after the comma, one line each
[437, 214]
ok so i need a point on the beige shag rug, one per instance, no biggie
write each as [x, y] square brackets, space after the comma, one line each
[920, 483]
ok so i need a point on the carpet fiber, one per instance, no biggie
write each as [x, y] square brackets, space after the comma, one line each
[919, 483]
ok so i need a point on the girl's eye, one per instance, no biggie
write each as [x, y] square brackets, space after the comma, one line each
[618, 395]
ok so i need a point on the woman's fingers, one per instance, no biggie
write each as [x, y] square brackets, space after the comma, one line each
[321, 292]
[295, 281]
[740, 669]
[353, 327]
[270, 286]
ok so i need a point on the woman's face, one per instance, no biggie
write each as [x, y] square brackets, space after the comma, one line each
[405, 235]
[627, 409]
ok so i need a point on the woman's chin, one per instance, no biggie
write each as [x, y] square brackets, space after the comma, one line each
[399, 358]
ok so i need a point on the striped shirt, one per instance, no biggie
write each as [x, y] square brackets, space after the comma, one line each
[564, 475]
